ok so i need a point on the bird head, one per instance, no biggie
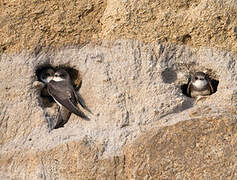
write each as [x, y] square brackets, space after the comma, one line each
[47, 75]
[199, 80]
[61, 75]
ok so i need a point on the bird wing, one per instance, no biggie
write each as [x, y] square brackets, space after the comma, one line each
[63, 116]
[65, 96]
[189, 89]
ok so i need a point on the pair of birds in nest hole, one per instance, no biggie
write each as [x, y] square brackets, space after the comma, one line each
[59, 86]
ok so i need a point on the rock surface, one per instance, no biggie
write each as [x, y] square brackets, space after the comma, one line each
[32, 25]
[128, 87]
[142, 126]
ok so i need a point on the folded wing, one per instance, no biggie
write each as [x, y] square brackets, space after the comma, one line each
[65, 96]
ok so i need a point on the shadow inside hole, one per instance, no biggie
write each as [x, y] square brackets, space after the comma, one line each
[184, 88]
[214, 83]
[169, 76]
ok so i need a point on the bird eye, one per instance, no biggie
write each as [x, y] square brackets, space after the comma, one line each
[196, 78]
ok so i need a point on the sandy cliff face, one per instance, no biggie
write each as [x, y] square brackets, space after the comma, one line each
[142, 126]
[26, 25]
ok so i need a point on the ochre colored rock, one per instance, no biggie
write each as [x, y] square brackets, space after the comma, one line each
[33, 25]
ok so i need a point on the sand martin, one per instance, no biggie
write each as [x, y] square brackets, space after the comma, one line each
[199, 85]
[62, 91]
[47, 75]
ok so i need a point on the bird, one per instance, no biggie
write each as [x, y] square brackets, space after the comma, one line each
[64, 94]
[199, 85]
[46, 75]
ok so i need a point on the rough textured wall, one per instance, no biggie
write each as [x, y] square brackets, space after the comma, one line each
[193, 22]
[132, 89]
[29, 25]
[142, 126]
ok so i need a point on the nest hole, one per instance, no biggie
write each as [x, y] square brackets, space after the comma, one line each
[45, 73]
[213, 82]
[45, 99]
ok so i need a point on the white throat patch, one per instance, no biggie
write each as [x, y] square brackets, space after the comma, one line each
[58, 79]
[46, 80]
[49, 78]
[200, 83]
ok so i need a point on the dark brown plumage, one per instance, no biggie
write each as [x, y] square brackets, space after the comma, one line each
[61, 89]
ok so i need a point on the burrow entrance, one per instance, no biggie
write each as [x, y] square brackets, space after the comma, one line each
[47, 100]
[170, 76]
[214, 84]
[54, 118]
